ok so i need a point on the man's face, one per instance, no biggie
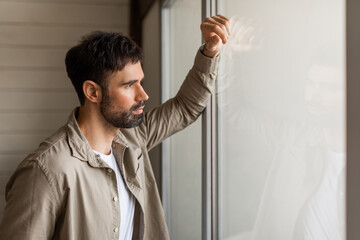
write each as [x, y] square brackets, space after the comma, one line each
[124, 99]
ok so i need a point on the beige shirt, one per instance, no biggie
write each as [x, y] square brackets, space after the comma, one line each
[64, 191]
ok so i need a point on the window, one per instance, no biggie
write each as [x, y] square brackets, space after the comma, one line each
[281, 104]
[182, 161]
[275, 159]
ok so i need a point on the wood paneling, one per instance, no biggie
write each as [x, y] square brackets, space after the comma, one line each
[11, 143]
[36, 96]
[45, 13]
[31, 121]
[37, 58]
[88, 2]
[45, 36]
[37, 100]
[29, 80]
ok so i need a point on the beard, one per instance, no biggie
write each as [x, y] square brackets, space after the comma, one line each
[120, 119]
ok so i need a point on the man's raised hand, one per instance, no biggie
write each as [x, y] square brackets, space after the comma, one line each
[216, 32]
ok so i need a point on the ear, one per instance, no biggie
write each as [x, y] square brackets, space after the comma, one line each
[92, 91]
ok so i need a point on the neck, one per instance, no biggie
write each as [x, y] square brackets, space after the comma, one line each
[97, 131]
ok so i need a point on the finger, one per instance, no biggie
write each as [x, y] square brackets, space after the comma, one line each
[223, 27]
[211, 29]
[225, 18]
[223, 22]
[214, 28]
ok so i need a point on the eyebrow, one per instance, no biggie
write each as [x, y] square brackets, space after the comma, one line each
[129, 82]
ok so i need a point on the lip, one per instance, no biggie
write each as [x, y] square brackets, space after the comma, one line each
[139, 110]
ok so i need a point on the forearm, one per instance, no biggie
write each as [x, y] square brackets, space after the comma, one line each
[187, 105]
[199, 84]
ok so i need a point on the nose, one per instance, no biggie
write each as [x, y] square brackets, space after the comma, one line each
[141, 94]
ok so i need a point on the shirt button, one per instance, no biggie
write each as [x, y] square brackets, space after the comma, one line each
[115, 199]
[116, 229]
[109, 170]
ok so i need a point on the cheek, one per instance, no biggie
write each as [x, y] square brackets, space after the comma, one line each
[122, 99]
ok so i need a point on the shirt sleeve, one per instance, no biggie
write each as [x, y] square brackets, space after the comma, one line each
[182, 110]
[30, 211]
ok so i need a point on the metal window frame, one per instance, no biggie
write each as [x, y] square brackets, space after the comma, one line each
[211, 222]
[210, 165]
[352, 119]
[165, 76]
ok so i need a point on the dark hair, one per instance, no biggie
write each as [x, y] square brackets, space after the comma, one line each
[98, 55]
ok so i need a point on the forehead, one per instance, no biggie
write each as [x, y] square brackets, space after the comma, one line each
[131, 71]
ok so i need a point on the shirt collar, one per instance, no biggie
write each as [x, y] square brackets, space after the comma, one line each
[79, 145]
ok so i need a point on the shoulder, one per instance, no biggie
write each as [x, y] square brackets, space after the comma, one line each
[53, 154]
[38, 165]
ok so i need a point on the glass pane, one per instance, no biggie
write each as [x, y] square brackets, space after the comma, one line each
[281, 112]
[185, 146]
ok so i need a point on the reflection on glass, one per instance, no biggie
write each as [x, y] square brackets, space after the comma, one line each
[282, 111]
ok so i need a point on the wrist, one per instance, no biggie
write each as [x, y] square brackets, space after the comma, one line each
[208, 53]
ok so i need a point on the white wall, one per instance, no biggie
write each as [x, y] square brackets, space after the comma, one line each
[36, 96]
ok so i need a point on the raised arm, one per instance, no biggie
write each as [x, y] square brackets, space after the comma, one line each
[192, 98]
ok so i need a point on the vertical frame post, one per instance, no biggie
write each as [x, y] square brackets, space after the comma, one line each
[210, 216]
[353, 119]
[206, 155]
[165, 88]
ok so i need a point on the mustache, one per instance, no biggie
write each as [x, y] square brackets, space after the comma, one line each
[136, 106]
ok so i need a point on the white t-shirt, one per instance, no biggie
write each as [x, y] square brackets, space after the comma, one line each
[126, 199]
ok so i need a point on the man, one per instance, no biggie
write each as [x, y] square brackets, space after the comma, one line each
[92, 179]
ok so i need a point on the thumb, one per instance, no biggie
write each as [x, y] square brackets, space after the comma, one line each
[215, 40]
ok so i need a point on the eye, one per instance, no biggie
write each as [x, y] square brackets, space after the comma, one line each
[129, 85]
